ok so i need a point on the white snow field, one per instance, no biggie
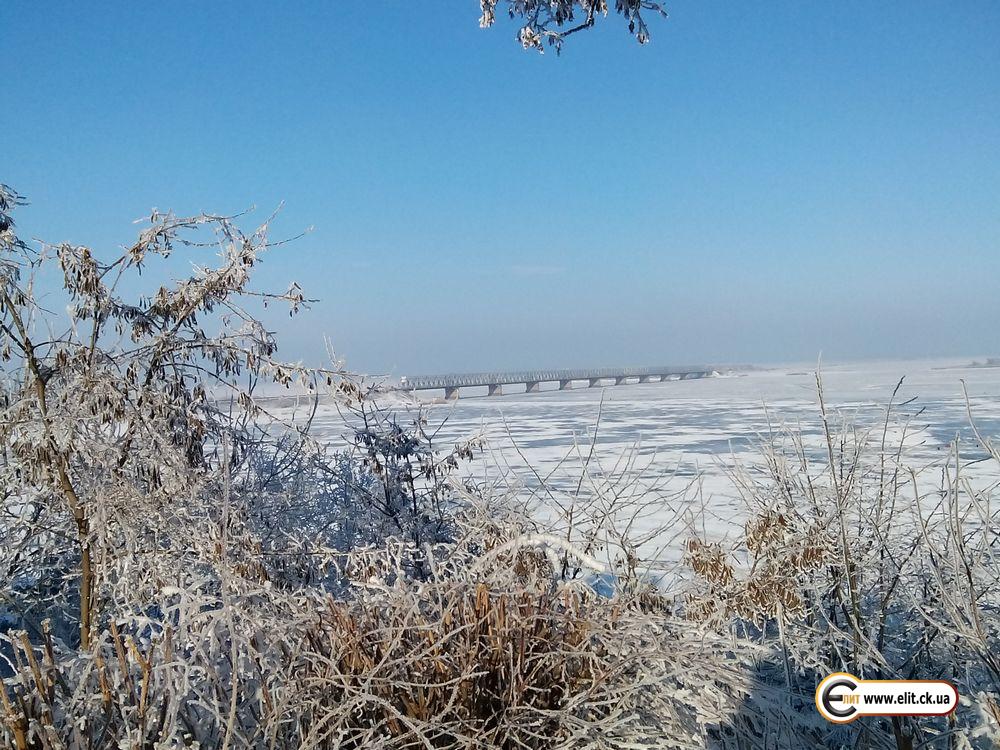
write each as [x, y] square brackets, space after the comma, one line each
[683, 436]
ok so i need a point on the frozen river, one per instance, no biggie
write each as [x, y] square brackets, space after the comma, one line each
[685, 434]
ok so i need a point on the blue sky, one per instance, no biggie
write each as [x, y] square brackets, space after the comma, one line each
[760, 183]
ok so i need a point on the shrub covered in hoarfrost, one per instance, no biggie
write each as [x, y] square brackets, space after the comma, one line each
[861, 563]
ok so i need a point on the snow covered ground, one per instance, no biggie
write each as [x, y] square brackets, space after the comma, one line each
[692, 430]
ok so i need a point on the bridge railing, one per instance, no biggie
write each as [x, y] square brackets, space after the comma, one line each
[426, 382]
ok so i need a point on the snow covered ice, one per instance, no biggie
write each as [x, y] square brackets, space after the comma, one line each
[693, 430]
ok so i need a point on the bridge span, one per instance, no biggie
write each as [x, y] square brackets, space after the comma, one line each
[532, 379]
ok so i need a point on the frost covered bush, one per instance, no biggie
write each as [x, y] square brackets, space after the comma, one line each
[113, 431]
[854, 561]
[484, 652]
[391, 482]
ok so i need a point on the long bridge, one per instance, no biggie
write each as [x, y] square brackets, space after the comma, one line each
[532, 379]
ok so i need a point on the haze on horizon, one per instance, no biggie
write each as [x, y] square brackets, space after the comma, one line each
[753, 186]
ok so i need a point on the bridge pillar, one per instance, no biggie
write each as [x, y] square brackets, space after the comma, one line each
[531, 387]
[496, 389]
[620, 381]
[451, 393]
[565, 385]
[594, 382]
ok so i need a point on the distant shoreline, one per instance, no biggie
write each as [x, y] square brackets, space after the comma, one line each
[991, 362]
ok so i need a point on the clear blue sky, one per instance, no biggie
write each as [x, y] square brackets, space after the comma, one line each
[762, 182]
